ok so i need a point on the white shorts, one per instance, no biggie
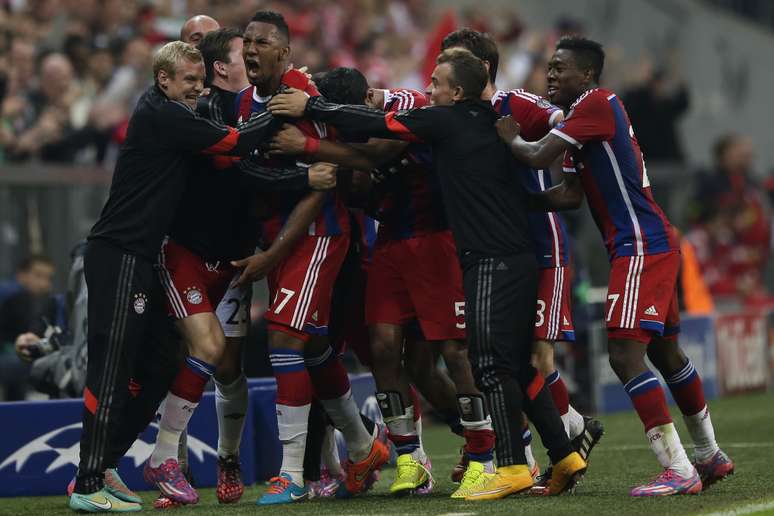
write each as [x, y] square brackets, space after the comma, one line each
[234, 310]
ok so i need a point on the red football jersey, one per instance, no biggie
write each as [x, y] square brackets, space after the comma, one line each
[612, 170]
[333, 218]
[412, 203]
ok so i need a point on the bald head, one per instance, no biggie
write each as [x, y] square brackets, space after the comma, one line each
[56, 75]
[195, 28]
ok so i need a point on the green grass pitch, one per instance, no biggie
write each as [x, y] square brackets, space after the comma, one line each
[744, 426]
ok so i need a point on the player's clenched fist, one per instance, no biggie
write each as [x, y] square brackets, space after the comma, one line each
[322, 176]
[289, 141]
[291, 102]
[507, 128]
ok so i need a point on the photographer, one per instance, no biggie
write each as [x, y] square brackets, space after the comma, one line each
[59, 359]
[24, 315]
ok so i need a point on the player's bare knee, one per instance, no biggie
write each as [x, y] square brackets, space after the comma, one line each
[282, 340]
[666, 355]
[455, 355]
[386, 348]
[419, 375]
[420, 358]
[204, 336]
[229, 368]
[385, 355]
[627, 358]
[211, 347]
[543, 356]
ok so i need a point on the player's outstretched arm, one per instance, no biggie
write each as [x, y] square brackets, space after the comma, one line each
[539, 154]
[288, 178]
[257, 266]
[567, 195]
[354, 120]
[184, 130]
[290, 141]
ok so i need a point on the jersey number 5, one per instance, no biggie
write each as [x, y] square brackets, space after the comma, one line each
[459, 310]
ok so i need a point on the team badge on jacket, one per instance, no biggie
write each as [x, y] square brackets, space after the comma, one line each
[140, 302]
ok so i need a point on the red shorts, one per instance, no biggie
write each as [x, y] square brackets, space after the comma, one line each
[300, 287]
[553, 320]
[642, 297]
[418, 278]
[192, 284]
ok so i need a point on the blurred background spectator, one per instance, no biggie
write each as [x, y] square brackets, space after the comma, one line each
[655, 104]
[26, 309]
[730, 218]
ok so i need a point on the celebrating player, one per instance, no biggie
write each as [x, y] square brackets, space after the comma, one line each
[414, 265]
[164, 132]
[485, 206]
[602, 158]
[300, 288]
[195, 270]
[553, 320]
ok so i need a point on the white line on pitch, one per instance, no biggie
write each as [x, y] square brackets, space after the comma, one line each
[745, 509]
[636, 447]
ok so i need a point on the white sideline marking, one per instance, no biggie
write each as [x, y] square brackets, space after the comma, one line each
[745, 509]
[637, 447]
[410, 514]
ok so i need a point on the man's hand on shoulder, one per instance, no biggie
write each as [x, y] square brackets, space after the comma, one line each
[322, 176]
[507, 128]
[290, 103]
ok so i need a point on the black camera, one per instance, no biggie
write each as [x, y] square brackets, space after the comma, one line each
[48, 344]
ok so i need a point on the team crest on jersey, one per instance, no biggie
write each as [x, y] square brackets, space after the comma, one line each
[543, 103]
[140, 303]
[193, 295]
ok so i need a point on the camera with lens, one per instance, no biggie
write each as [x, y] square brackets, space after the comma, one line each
[50, 342]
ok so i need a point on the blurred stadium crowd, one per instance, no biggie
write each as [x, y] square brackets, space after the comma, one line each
[72, 70]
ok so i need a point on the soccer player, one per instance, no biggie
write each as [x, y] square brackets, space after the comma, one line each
[211, 229]
[151, 171]
[485, 206]
[553, 320]
[414, 265]
[300, 289]
[602, 159]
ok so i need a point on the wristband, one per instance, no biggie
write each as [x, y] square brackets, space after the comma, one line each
[311, 145]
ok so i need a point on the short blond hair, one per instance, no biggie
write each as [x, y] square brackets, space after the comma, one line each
[169, 56]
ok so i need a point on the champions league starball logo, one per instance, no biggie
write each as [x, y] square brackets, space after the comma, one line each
[68, 453]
